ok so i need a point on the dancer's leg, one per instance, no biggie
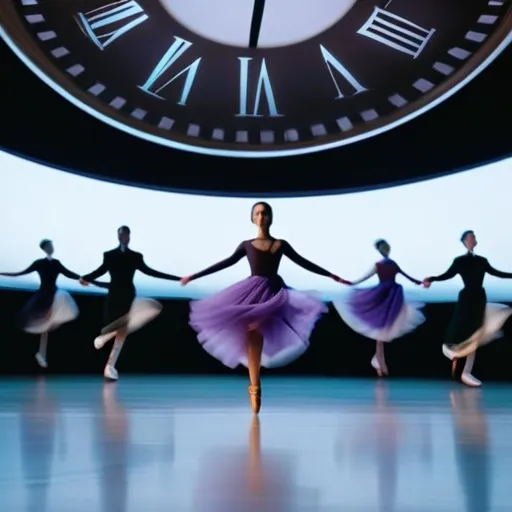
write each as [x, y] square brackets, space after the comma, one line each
[254, 351]
[100, 341]
[110, 368]
[41, 353]
[379, 361]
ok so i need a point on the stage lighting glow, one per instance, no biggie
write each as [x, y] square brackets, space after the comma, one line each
[182, 234]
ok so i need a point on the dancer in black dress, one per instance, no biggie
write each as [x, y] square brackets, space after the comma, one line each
[474, 322]
[124, 313]
[49, 307]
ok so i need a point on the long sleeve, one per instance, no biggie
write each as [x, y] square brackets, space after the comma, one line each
[155, 273]
[407, 276]
[497, 273]
[29, 270]
[289, 251]
[100, 271]
[221, 265]
[67, 273]
[449, 274]
[367, 276]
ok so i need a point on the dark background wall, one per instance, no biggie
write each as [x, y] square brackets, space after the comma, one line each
[168, 345]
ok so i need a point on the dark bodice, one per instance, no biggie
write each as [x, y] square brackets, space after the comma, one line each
[387, 270]
[472, 270]
[49, 271]
[264, 262]
[121, 265]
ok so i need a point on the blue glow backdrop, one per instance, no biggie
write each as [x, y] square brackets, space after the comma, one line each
[182, 234]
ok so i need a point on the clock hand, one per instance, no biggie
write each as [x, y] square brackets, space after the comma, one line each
[257, 17]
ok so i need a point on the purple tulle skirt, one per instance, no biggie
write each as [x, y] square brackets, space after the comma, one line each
[284, 317]
[380, 313]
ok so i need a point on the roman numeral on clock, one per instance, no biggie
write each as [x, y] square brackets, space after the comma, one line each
[161, 75]
[106, 24]
[263, 89]
[396, 32]
[335, 65]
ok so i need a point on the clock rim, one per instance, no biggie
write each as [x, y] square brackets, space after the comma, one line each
[62, 85]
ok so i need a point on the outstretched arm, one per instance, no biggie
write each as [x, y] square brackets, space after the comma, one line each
[289, 251]
[367, 276]
[155, 273]
[28, 270]
[497, 273]
[100, 271]
[449, 274]
[221, 265]
[407, 276]
[67, 273]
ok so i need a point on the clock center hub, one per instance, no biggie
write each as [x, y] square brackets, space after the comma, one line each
[284, 22]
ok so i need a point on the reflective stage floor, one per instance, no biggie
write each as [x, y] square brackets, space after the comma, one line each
[154, 444]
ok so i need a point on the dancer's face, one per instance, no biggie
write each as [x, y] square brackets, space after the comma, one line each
[470, 241]
[384, 249]
[124, 237]
[260, 216]
[48, 248]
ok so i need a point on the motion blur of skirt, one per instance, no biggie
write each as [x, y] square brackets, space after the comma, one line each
[135, 315]
[475, 322]
[380, 313]
[283, 316]
[46, 312]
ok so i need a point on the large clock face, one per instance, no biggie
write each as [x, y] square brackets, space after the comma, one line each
[255, 77]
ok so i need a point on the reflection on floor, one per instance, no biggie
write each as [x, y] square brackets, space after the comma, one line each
[191, 444]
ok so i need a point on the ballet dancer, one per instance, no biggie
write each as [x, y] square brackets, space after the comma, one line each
[124, 313]
[475, 322]
[381, 313]
[258, 321]
[49, 307]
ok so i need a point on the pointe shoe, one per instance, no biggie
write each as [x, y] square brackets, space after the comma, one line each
[110, 373]
[41, 360]
[376, 366]
[100, 341]
[469, 380]
[255, 398]
[450, 354]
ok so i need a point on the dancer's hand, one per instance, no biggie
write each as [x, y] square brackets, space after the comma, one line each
[426, 283]
[340, 280]
[185, 280]
[83, 282]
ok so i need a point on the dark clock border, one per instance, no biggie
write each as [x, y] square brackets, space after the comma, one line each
[197, 143]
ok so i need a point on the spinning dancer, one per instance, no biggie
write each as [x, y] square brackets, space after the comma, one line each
[49, 307]
[474, 322]
[124, 313]
[258, 321]
[381, 312]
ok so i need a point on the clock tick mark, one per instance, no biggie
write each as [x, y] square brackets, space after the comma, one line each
[76, 70]
[242, 136]
[46, 36]
[29, 2]
[166, 123]
[60, 52]
[34, 18]
[459, 53]
[118, 103]
[139, 114]
[369, 115]
[477, 37]
[487, 19]
[218, 134]
[267, 137]
[291, 135]
[318, 130]
[193, 130]
[97, 89]
[423, 85]
[443, 68]
[345, 124]
[397, 100]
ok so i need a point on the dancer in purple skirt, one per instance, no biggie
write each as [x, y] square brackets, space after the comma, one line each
[258, 321]
[381, 312]
[49, 307]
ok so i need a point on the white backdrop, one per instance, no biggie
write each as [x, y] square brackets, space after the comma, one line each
[182, 234]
